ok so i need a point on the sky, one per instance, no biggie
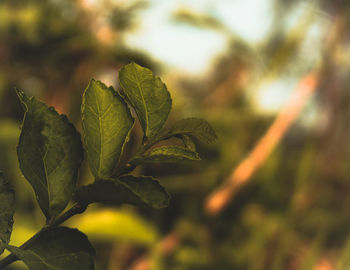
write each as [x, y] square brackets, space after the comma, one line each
[192, 50]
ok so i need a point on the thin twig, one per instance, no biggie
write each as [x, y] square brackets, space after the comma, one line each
[74, 210]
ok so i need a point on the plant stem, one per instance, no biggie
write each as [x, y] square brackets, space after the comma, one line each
[74, 210]
[77, 208]
[150, 143]
[12, 258]
[128, 166]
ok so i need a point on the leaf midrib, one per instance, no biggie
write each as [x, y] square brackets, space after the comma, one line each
[42, 260]
[132, 191]
[139, 88]
[100, 131]
[46, 187]
[138, 83]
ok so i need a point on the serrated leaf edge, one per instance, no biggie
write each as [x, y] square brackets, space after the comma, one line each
[24, 99]
[173, 146]
[134, 65]
[172, 133]
[114, 92]
[152, 179]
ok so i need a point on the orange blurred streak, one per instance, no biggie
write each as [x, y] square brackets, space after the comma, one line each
[164, 247]
[324, 264]
[105, 34]
[221, 197]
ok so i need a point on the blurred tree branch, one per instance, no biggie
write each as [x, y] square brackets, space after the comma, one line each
[217, 200]
[222, 196]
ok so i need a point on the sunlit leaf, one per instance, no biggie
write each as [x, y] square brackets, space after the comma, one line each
[148, 95]
[188, 142]
[6, 211]
[195, 127]
[167, 154]
[107, 122]
[58, 248]
[141, 191]
[50, 153]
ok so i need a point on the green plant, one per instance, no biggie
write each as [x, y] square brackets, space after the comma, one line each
[50, 153]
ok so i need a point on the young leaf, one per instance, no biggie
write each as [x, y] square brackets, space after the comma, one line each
[107, 123]
[49, 152]
[194, 127]
[141, 191]
[58, 248]
[167, 154]
[189, 144]
[6, 211]
[148, 95]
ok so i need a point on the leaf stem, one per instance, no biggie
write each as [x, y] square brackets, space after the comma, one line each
[12, 258]
[151, 142]
[146, 144]
[74, 210]
[78, 208]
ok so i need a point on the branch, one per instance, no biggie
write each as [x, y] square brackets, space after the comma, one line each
[165, 247]
[76, 209]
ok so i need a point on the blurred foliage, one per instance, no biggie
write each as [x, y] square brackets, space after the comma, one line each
[292, 214]
[121, 224]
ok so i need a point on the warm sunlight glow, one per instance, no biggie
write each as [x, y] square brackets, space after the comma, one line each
[251, 20]
[192, 49]
[272, 96]
[179, 46]
[290, 112]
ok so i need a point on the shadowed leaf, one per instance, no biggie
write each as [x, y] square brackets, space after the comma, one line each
[141, 191]
[6, 211]
[167, 154]
[188, 142]
[59, 248]
[50, 153]
[195, 127]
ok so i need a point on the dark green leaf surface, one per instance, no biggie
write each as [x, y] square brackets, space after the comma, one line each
[107, 123]
[189, 144]
[167, 154]
[141, 191]
[58, 248]
[195, 127]
[49, 153]
[148, 95]
[6, 211]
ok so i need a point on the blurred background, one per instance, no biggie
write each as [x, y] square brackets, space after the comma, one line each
[271, 76]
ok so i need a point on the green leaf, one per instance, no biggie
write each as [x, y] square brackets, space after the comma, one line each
[140, 191]
[148, 95]
[6, 211]
[58, 248]
[195, 127]
[50, 153]
[107, 123]
[167, 154]
[189, 144]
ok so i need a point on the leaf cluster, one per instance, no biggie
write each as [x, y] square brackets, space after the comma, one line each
[50, 152]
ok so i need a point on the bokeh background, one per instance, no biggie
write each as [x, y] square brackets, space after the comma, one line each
[271, 76]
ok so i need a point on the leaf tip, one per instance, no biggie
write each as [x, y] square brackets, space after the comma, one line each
[133, 64]
[22, 96]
